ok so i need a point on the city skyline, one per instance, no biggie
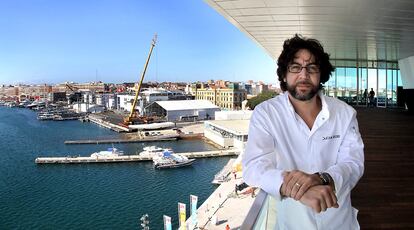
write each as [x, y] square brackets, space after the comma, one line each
[53, 42]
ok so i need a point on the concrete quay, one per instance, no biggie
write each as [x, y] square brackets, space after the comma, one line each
[107, 124]
[74, 160]
[214, 153]
[113, 141]
[129, 158]
[225, 207]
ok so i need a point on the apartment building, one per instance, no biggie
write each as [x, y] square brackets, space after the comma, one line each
[98, 87]
[229, 98]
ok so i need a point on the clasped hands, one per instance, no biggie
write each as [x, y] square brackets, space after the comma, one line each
[308, 189]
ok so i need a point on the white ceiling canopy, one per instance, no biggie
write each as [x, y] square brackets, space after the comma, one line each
[348, 29]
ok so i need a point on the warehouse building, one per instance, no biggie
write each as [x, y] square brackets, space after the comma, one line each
[183, 110]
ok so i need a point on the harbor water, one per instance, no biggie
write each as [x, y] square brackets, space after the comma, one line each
[89, 196]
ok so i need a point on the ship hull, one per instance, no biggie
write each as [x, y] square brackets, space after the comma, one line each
[174, 165]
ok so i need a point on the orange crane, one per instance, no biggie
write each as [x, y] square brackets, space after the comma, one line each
[132, 116]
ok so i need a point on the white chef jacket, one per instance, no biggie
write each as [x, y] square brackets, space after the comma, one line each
[279, 140]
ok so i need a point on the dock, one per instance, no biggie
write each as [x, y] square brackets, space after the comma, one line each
[129, 158]
[114, 141]
[106, 124]
[224, 207]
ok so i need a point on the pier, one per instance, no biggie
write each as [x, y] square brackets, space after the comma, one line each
[114, 141]
[224, 206]
[129, 158]
[101, 122]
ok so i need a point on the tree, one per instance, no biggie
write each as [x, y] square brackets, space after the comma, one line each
[261, 97]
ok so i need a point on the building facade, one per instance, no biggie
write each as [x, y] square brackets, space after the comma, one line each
[229, 98]
[227, 133]
[349, 83]
[182, 110]
[124, 102]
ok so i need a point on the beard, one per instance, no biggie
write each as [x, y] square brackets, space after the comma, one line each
[299, 94]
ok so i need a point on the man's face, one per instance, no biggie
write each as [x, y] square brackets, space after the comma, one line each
[304, 84]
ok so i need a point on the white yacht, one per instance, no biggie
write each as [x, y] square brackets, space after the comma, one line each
[110, 152]
[168, 159]
[151, 151]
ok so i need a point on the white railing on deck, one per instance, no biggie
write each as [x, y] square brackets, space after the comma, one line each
[262, 214]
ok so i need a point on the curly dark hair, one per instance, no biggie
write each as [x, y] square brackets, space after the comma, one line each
[292, 46]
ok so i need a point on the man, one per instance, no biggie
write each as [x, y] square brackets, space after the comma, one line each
[304, 148]
[365, 96]
[371, 98]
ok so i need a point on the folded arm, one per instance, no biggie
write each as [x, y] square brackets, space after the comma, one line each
[342, 177]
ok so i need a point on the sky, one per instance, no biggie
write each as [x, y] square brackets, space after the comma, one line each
[49, 41]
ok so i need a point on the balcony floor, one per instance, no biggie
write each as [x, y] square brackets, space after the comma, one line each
[385, 194]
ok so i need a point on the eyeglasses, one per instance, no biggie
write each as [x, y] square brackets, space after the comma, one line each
[296, 68]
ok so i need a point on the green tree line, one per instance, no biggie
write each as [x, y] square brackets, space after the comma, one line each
[261, 97]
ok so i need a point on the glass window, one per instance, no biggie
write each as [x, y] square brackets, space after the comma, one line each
[391, 88]
[353, 88]
[341, 84]
[382, 89]
[372, 80]
[351, 85]
[330, 86]
[363, 86]
[399, 81]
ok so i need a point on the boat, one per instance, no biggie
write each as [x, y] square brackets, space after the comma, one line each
[168, 159]
[152, 126]
[35, 105]
[58, 115]
[45, 116]
[110, 152]
[151, 151]
[223, 175]
[24, 103]
[220, 178]
[10, 104]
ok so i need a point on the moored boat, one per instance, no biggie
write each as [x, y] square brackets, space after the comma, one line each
[223, 175]
[168, 159]
[110, 152]
[151, 151]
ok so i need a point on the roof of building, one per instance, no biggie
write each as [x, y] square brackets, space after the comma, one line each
[161, 91]
[238, 127]
[364, 29]
[233, 115]
[186, 105]
[153, 90]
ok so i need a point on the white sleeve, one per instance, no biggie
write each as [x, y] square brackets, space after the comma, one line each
[259, 159]
[350, 163]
